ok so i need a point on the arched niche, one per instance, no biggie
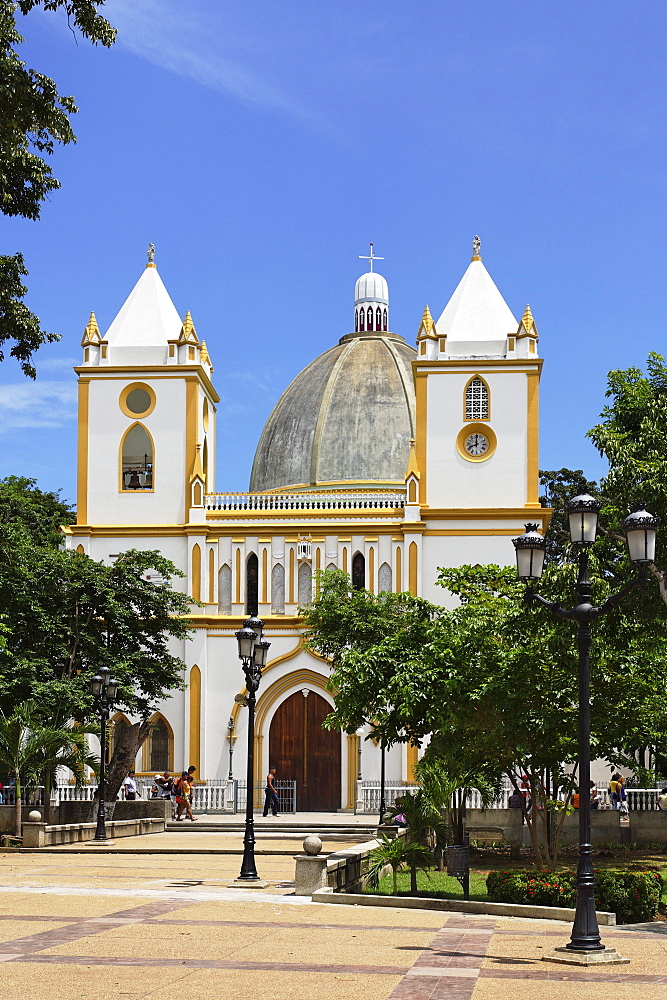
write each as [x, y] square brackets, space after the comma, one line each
[278, 589]
[252, 584]
[358, 571]
[225, 590]
[158, 750]
[136, 460]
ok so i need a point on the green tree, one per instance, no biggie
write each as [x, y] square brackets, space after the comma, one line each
[631, 437]
[493, 683]
[69, 615]
[34, 119]
[31, 751]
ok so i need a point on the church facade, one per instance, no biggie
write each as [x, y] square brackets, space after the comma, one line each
[381, 459]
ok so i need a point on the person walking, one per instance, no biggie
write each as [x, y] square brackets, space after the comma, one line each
[270, 794]
[182, 788]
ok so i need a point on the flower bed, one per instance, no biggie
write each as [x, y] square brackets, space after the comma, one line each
[632, 895]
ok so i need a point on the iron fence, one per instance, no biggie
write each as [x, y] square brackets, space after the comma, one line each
[285, 789]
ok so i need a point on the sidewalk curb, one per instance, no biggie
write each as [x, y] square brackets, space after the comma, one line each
[458, 906]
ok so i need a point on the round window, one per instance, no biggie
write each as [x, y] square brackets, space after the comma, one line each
[137, 400]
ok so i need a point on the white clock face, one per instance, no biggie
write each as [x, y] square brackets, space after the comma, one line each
[476, 444]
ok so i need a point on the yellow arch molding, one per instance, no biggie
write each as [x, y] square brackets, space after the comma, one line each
[271, 696]
[145, 750]
[301, 645]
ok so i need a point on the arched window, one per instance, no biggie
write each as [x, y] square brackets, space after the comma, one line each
[278, 589]
[370, 318]
[137, 459]
[384, 319]
[378, 319]
[356, 320]
[305, 583]
[384, 577]
[225, 590]
[251, 584]
[477, 399]
[159, 746]
[358, 571]
[362, 319]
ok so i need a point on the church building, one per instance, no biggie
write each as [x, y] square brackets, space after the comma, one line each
[381, 459]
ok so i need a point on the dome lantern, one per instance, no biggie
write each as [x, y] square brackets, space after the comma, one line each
[371, 299]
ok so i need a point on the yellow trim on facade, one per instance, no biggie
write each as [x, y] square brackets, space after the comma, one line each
[413, 557]
[399, 570]
[238, 577]
[195, 717]
[352, 758]
[421, 406]
[191, 414]
[82, 452]
[122, 401]
[411, 758]
[120, 372]
[265, 576]
[195, 577]
[476, 428]
[211, 576]
[291, 576]
[371, 569]
[521, 365]
[532, 440]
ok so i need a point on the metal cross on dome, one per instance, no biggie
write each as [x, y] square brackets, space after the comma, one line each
[371, 257]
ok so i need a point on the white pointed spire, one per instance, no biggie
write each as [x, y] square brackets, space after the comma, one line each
[145, 322]
[476, 321]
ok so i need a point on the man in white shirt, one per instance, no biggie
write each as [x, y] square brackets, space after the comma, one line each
[130, 787]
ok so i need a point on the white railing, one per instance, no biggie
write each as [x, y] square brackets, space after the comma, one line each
[322, 500]
[370, 794]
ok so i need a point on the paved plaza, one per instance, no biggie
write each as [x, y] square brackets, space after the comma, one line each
[76, 924]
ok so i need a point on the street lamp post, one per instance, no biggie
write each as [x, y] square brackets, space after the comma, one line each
[252, 653]
[230, 737]
[104, 689]
[383, 806]
[359, 801]
[640, 528]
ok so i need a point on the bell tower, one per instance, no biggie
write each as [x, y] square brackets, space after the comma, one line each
[477, 375]
[146, 434]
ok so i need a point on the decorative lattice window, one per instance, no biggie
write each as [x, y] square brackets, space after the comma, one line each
[477, 400]
[159, 749]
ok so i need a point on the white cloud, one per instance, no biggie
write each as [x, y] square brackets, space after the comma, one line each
[37, 404]
[174, 40]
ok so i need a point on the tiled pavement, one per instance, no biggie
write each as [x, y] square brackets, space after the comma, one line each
[102, 927]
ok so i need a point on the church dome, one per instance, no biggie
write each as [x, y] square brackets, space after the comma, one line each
[371, 287]
[346, 418]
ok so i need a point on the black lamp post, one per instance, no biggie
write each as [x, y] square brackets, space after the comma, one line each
[105, 690]
[640, 529]
[230, 737]
[252, 653]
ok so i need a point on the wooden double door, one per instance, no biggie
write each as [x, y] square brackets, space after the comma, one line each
[304, 752]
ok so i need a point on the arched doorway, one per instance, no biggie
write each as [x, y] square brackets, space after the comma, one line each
[304, 752]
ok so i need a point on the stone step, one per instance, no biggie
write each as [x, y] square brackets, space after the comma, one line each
[329, 830]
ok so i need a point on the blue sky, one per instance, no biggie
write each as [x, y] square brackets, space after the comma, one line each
[262, 146]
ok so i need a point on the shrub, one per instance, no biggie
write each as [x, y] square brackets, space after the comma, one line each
[632, 895]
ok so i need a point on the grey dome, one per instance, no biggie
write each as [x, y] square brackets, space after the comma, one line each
[348, 416]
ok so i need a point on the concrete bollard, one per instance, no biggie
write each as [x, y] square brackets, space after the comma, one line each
[311, 870]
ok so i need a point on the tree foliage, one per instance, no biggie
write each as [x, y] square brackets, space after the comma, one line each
[34, 119]
[631, 437]
[32, 750]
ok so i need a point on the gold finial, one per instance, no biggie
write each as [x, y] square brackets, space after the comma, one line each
[197, 467]
[427, 326]
[204, 355]
[91, 335]
[527, 321]
[151, 255]
[371, 258]
[188, 334]
[476, 249]
[413, 468]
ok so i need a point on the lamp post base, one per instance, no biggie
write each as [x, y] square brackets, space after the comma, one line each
[249, 883]
[602, 956]
[100, 843]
